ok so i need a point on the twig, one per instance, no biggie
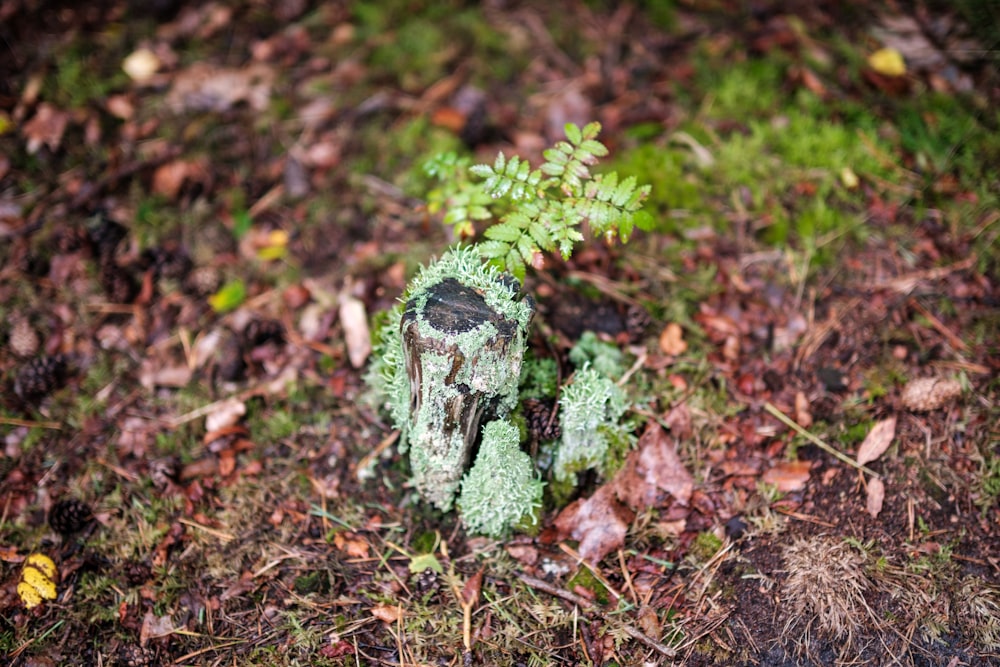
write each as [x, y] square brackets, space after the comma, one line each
[14, 421]
[953, 339]
[589, 607]
[784, 419]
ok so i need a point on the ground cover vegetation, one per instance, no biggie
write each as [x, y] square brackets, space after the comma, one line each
[206, 209]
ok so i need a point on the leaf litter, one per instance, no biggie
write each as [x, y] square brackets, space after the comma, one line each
[224, 457]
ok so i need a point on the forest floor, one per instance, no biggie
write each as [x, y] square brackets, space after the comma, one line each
[195, 198]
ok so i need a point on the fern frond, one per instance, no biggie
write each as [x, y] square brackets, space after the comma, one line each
[512, 178]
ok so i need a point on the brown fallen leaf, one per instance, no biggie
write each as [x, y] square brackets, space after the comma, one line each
[46, 128]
[672, 340]
[788, 476]
[599, 523]
[877, 441]
[653, 467]
[387, 613]
[876, 494]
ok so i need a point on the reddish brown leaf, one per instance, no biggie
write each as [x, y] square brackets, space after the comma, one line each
[46, 128]
[788, 476]
[470, 592]
[387, 613]
[651, 468]
[599, 523]
[672, 340]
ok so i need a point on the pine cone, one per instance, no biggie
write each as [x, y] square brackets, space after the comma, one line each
[105, 234]
[926, 394]
[258, 332]
[117, 282]
[23, 339]
[133, 655]
[136, 572]
[40, 376]
[166, 261]
[542, 425]
[69, 516]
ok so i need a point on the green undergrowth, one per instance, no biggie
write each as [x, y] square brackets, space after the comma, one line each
[800, 171]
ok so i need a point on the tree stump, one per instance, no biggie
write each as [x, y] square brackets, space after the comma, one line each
[463, 335]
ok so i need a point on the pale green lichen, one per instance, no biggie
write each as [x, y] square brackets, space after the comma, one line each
[602, 356]
[589, 411]
[501, 491]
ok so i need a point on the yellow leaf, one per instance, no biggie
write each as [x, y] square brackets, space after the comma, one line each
[888, 62]
[37, 580]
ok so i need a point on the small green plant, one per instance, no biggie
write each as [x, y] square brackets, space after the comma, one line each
[448, 359]
[539, 210]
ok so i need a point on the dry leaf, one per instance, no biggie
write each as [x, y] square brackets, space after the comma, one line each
[651, 468]
[876, 494]
[155, 626]
[351, 545]
[204, 87]
[226, 413]
[672, 340]
[46, 127]
[141, 65]
[877, 441]
[788, 476]
[356, 333]
[802, 415]
[472, 588]
[387, 613]
[599, 523]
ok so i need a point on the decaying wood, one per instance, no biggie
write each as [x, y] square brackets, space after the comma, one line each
[463, 360]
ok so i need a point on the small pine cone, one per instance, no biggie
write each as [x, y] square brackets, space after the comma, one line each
[23, 339]
[542, 424]
[134, 655]
[203, 281]
[40, 376]
[926, 394]
[105, 234]
[637, 320]
[69, 516]
[118, 284]
[258, 332]
[166, 261]
[136, 572]
[428, 581]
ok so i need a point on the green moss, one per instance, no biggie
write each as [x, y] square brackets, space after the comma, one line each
[705, 546]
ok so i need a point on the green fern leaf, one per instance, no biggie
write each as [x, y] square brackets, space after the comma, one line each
[573, 133]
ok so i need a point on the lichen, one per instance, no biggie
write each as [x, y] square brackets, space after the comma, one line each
[439, 398]
[603, 357]
[589, 411]
[501, 491]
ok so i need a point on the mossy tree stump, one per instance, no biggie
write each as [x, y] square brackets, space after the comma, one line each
[463, 335]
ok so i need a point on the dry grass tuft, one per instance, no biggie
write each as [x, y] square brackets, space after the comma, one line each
[825, 592]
